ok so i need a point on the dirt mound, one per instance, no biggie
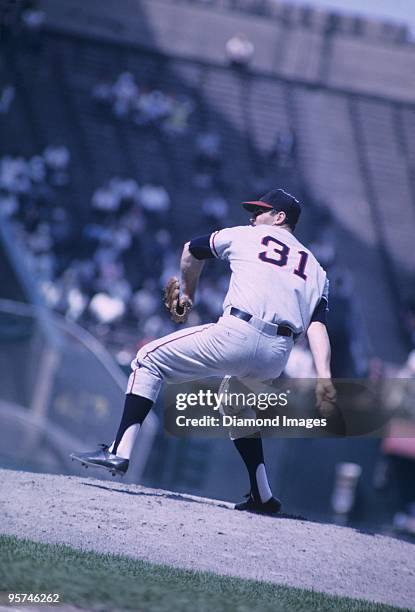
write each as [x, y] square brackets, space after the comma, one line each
[201, 534]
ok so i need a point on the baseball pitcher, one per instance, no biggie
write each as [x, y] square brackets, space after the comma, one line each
[278, 292]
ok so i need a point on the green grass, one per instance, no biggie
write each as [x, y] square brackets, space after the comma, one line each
[89, 579]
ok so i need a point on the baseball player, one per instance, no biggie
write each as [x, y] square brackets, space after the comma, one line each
[278, 292]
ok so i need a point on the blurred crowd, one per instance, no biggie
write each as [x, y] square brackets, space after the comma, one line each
[108, 274]
[124, 99]
[25, 18]
[26, 185]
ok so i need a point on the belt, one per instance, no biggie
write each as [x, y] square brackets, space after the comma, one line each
[280, 330]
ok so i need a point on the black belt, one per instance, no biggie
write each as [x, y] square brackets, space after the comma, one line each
[282, 330]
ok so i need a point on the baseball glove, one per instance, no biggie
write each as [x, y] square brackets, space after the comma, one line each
[178, 306]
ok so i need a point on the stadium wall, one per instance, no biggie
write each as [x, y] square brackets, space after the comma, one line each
[320, 51]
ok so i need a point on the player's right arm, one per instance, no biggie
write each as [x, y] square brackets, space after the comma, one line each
[190, 270]
[196, 252]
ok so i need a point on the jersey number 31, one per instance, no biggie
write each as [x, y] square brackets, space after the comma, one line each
[277, 254]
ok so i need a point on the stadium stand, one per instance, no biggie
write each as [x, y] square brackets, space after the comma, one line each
[248, 111]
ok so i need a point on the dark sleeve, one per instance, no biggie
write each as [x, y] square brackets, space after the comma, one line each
[320, 311]
[200, 247]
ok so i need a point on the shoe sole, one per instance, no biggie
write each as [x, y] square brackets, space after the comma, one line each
[85, 464]
[261, 512]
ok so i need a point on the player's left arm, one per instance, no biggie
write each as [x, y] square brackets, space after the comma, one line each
[320, 348]
[319, 342]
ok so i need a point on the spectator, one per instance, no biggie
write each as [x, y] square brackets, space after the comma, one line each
[178, 121]
[215, 208]
[104, 200]
[284, 149]
[37, 169]
[106, 309]
[9, 204]
[125, 94]
[102, 92]
[77, 302]
[208, 157]
[145, 303]
[152, 108]
[154, 198]
[126, 191]
[33, 19]
[240, 51]
[57, 160]
[6, 99]
[208, 148]
[134, 220]
[14, 177]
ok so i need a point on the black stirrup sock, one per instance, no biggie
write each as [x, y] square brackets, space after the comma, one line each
[252, 454]
[136, 408]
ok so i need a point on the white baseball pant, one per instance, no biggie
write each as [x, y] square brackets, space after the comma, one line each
[229, 347]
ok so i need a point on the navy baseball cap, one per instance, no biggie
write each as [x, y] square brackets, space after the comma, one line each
[277, 200]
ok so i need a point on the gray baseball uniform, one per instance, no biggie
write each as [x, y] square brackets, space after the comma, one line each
[275, 279]
[276, 289]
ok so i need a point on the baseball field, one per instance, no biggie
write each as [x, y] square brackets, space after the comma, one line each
[108, 545]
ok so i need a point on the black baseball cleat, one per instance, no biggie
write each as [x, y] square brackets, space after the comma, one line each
[272, 506]
[103, 458]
